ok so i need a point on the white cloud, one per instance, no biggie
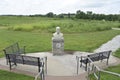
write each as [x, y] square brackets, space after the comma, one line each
[58, 6]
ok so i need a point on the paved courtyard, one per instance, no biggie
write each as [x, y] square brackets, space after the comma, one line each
[60, 65]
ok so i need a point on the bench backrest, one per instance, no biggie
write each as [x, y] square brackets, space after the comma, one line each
[15, 47]
[12, 49]
[94, 57]
[24, 59]
[100, 56]
[8, 50]
[32, 60]
[105, 54]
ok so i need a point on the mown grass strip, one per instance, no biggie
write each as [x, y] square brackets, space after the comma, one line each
[106, 76]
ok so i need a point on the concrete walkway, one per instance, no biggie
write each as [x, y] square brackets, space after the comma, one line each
[56, 65]
[78, 77]
[59, 67]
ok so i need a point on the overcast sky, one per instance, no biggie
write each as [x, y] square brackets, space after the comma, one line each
[26, 7]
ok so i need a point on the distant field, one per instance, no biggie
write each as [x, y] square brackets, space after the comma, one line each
[36, 33]
[42, 24]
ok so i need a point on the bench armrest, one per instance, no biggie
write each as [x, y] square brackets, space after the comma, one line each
[83, 58]
[44, 63]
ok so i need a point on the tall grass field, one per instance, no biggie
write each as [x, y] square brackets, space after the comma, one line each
[43, 24]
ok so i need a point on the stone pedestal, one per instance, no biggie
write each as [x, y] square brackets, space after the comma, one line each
[57, 42]
[58, 47]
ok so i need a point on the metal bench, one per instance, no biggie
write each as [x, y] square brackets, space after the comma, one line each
[95, 57]
[13, 49]
[15, 59]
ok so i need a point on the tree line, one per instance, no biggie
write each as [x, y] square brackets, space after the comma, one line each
[90, 15]
[78, 15]
[83, 15]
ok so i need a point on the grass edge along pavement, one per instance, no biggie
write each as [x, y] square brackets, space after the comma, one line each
[116, 69]
[6, 75]
[117, 53]
[106, 76]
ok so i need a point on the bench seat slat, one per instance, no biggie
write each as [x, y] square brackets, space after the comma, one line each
[96, 57]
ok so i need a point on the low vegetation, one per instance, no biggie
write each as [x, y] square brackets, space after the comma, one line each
[5, 75]
[44, 24]
[67, 26]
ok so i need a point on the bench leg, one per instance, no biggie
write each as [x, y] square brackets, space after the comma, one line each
[43, 75]
[10, 65]
[107, 62]
[15, 63]
[81, 64]
[38, 68]
[85, 67]
[7, 62]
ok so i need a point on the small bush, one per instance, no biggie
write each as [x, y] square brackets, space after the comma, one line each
[17, 28]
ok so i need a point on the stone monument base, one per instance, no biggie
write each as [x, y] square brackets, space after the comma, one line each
[57, 42]
[58, 47]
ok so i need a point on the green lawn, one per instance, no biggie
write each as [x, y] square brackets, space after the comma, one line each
[36, 42]
[117, 53]
[5, 75]
[106, 76]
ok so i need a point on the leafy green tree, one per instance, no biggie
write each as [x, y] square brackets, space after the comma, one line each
[50, 14]
[89, 14]
[80, 14]
[69, 15]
